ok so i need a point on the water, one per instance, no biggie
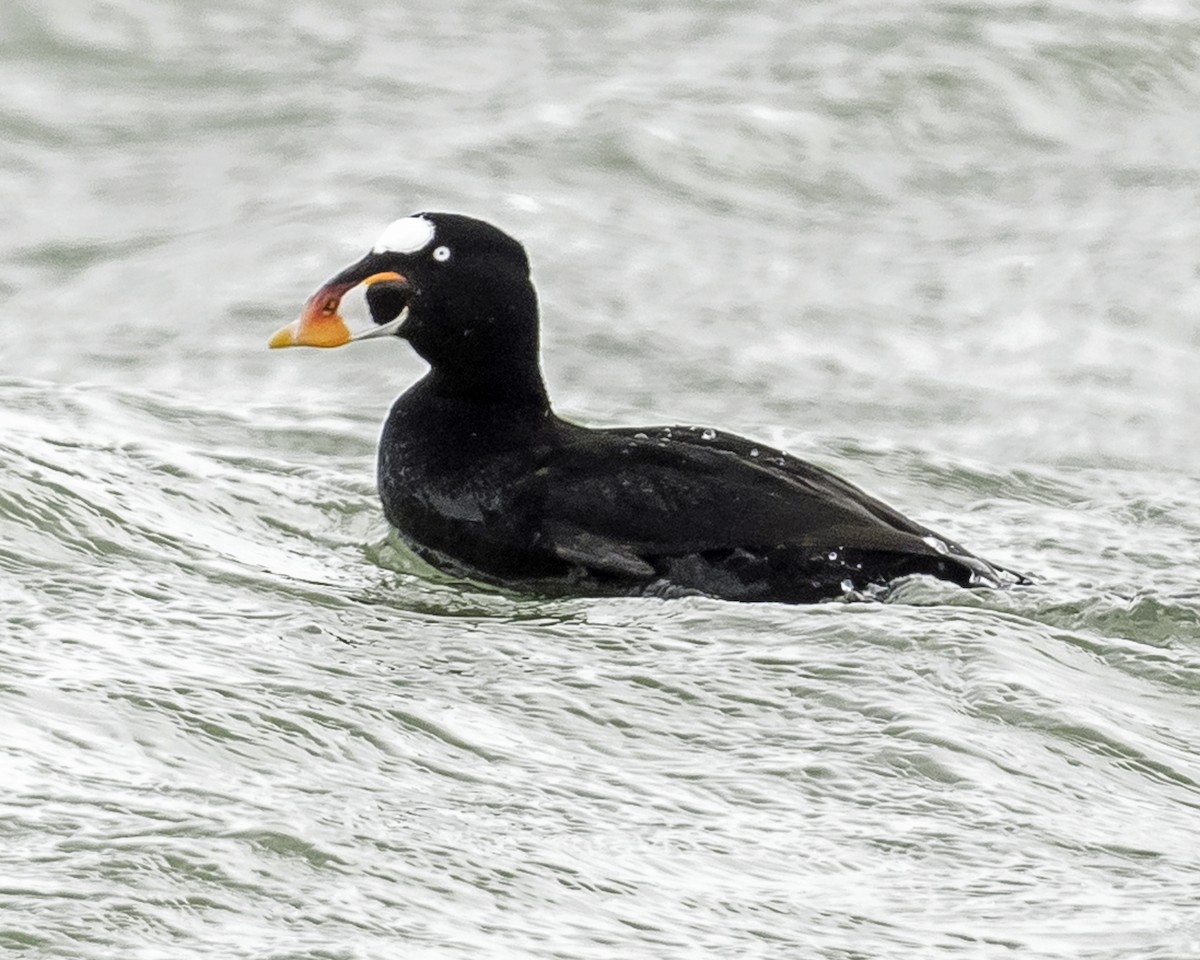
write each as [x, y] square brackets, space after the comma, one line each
[947, 249]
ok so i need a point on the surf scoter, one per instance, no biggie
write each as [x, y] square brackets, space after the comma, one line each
[482, 479]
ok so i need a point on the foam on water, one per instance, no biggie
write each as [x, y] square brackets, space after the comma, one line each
[222, 707]
[946, 250]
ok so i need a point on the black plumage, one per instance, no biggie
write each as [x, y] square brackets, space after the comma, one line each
[480, 477]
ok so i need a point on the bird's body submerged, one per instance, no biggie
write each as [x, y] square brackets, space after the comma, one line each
[480, 477]
[518, 496]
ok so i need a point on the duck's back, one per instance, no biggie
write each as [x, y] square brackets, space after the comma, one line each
[666, 510]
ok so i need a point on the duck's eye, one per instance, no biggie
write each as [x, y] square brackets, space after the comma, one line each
[441, 254]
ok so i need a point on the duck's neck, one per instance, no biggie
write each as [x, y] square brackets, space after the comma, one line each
[443, 414]
[501, 387]
[480, 340]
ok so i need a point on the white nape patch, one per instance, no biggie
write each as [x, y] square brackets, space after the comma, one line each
[406, 235]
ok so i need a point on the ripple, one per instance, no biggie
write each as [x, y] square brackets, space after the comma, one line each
[943, 249]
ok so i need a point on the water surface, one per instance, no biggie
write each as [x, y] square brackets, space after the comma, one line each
[948, 250]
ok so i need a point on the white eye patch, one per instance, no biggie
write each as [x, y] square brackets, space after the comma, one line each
[406, 235]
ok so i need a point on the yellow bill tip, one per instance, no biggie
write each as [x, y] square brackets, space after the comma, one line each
[284, 337]
[320, 330]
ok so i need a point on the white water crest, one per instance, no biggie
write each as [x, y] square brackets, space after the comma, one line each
[946, 250]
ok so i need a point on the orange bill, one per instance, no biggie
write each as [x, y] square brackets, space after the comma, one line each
[319, 323]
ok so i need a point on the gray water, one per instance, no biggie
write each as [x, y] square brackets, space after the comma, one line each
[949, 250]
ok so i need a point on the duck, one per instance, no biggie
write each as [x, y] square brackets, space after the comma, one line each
[481, 478]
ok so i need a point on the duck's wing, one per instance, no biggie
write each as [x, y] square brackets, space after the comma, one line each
[618, 501]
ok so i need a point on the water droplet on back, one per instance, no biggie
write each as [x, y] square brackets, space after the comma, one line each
[937, 544]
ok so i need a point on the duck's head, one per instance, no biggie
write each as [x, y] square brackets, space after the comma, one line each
[456, 288]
